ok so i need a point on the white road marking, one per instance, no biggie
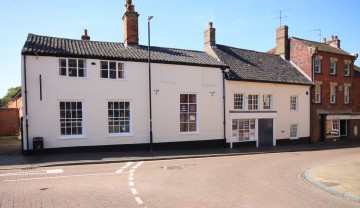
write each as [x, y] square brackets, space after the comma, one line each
[131, 184]
[34, 172]
[131, 178]
[131, 174]
[139, 200]
[58, 177]
[133, 190]
[119, 171]
[132, 170]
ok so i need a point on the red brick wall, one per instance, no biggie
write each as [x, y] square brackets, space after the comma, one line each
[300, 56]
[9, 121]
[16, 103]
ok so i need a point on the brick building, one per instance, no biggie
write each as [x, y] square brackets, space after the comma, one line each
[335, 103]
[16, 102]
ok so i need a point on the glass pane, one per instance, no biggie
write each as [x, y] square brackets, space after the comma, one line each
[184, 98]
[81, 63]
[112, 74]
[184, 127]
[72, 63]
[127, 105]
[184, 117]
[192, 107]
[63, 63]
[63, 131]
[111, 129]
[81, 73]
[112, 65]
[79, 105]
[104, 74]
[116, 113]
[120, 74]
[127, 114]
[192, 117]
[67, 105]
[72, 72]
[122, 105]
[110, 105]
[104, 64]
[120, 66]
[62, 72]
[192, 127]
[62, 105]
[116, 105]
[192, 98]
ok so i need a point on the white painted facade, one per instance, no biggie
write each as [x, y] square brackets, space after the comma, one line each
[280, 111]
[168, 82]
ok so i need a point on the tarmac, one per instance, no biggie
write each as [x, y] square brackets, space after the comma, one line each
[340, 179]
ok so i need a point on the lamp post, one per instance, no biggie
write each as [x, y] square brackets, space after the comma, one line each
[149, 61]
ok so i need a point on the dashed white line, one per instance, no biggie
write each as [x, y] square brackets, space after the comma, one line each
[133, 190]
[139, 200]
[131, 184]
[131, 178]
[132, 170]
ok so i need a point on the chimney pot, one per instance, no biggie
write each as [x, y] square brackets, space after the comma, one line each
[131, 28]
[210, 25]
[324, 40]
[85, 36]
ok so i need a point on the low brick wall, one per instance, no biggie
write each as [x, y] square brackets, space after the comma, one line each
[9, 121]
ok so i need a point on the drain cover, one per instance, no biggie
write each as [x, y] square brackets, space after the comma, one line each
[44, 189]
[174, 167]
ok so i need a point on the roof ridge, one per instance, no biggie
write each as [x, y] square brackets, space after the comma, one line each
[96, 41]
[249, 50]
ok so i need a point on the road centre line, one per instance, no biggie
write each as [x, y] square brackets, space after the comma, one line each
[139, 200]
[133, 190]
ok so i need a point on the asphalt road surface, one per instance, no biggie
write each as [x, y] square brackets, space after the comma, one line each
[247, 181]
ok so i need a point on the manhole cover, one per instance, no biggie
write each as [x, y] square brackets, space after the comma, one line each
[174, 167]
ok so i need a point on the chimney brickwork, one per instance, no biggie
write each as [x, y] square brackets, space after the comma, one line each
[131, 28]
[334, 42]
[282, 42]
[85, 36]
[210, 40]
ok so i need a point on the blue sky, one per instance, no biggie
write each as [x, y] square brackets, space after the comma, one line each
[248, 24]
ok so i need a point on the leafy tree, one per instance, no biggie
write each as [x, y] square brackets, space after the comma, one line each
[11, 92]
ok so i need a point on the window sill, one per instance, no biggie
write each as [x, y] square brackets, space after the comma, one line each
[319, 73]
[125, 79]
[73, 137]
[236, 140]
[189, 133]
[294, 138]
[120, 135]
[67, 77]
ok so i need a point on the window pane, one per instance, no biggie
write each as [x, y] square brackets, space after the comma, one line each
[184, 127]
[62, 72]
[81, 63]
[120, 74]
[192, 107]
[192, 127]
[112, 65]
[192, 98]
[62, 63]
[72, 63]
[104, 65]
[112, 74]
[104, 74]
[184, 98]
[72, 72]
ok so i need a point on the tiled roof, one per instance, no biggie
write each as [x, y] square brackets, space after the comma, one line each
[61, 47]
[257, 66]
[322, 46]
[357, 70]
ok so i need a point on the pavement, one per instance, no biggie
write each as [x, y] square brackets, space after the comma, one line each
[340, 179]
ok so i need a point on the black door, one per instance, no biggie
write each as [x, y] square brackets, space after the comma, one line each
[343, 128]
[266, 132]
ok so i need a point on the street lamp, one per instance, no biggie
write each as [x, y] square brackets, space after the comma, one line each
[149, 61]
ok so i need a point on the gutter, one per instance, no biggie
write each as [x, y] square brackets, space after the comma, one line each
[224, 105]
[26, 109]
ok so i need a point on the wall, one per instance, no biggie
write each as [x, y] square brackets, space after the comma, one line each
[300, 56]
[9, 121]
[16, 103]
[281, 105]
[94, 92]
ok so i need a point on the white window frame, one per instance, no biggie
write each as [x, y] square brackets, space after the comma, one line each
[186, 115]
[122, 119]
[66, 118]
[317, 66]
[116, 70]
[294, 131]
[294, 103]
[67, 68]
[253, 102]
[332, 94]
[317, 93]
[267, 102]
[346, 94]
[347, 70]
[333, 67]
[239, 101]
[249, 132]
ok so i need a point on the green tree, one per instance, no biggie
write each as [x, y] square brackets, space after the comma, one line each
[11, 92]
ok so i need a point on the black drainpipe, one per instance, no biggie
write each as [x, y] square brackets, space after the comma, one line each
[310, 94]
[224, 105]
[26, 110]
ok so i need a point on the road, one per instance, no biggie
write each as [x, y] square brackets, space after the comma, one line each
[247, 181]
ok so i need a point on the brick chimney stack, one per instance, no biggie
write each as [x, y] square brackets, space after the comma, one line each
[209, 36]
[334, 42]
[282, 42]
[131, 29]
[85, 36]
